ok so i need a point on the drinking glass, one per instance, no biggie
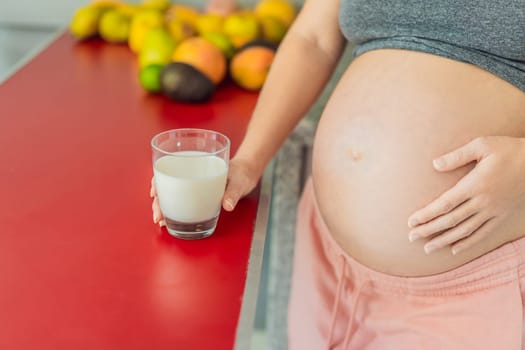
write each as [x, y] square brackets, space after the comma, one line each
[190, 168]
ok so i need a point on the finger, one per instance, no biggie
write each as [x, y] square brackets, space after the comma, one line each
[448, 201]
[461, 156]
[236, 188]
[231, 197]
[153, 189]
[463, 230]
[155, 207]
[444, 222]
[162, 223]
[482, 232]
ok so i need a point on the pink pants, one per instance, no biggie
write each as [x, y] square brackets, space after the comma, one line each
[337, 303]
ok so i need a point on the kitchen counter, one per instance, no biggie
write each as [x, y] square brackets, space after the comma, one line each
[82, 266]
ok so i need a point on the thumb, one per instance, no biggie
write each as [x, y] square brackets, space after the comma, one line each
[232, 195]
[458, 157]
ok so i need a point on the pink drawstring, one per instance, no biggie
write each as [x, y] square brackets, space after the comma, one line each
[340, 285]
[353, 310]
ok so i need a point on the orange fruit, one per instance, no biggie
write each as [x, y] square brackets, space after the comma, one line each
[202, 55]
[250, 66]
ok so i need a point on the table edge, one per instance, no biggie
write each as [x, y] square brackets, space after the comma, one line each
[253, 277]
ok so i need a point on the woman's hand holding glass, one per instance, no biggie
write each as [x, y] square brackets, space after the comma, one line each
[242, 179]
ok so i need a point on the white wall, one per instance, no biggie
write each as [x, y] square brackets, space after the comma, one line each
[38, 12]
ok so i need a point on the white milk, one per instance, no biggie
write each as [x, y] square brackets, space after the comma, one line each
[190, 188]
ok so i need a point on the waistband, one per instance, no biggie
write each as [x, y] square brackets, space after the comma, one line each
[499, 266]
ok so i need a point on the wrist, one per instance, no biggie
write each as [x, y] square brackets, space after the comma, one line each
[253, 164]
[522, 146]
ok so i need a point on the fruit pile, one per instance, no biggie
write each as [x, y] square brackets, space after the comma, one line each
[186, 53]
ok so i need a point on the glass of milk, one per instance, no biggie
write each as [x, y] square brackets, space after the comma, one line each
[190, 168]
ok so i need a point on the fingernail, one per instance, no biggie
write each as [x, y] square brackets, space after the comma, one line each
[439, 163]
[229, 203]
[429, 248]
[456, 250]
[412, 223]
[162, 223]
[155, 219]
[413, 237]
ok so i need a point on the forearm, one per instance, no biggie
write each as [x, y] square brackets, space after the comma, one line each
[297, 77]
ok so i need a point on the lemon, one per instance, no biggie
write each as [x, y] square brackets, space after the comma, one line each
[183, 13]
[105, 4]
[280, 9]
[273, 29]
[157, 48]
[84, 23]
[154, 56]
[158, 38]
[149, 77]
[160, 5]
[114, 26]
[209, 23]
[141, 23]
[241, 28]
[128, 9]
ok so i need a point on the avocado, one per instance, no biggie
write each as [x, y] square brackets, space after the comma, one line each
[258, 42]
[184, 83]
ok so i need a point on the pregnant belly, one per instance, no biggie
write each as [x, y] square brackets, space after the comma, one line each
[391, 114]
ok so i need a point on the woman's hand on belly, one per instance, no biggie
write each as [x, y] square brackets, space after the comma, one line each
[481, 202]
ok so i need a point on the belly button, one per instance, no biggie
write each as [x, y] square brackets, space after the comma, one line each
[355, 155]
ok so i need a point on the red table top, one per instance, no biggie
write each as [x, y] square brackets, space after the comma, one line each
[82, 266]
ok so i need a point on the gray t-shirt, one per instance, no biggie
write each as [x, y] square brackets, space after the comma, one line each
[488, 34]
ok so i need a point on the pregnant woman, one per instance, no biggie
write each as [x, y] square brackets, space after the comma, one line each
[409, 233]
